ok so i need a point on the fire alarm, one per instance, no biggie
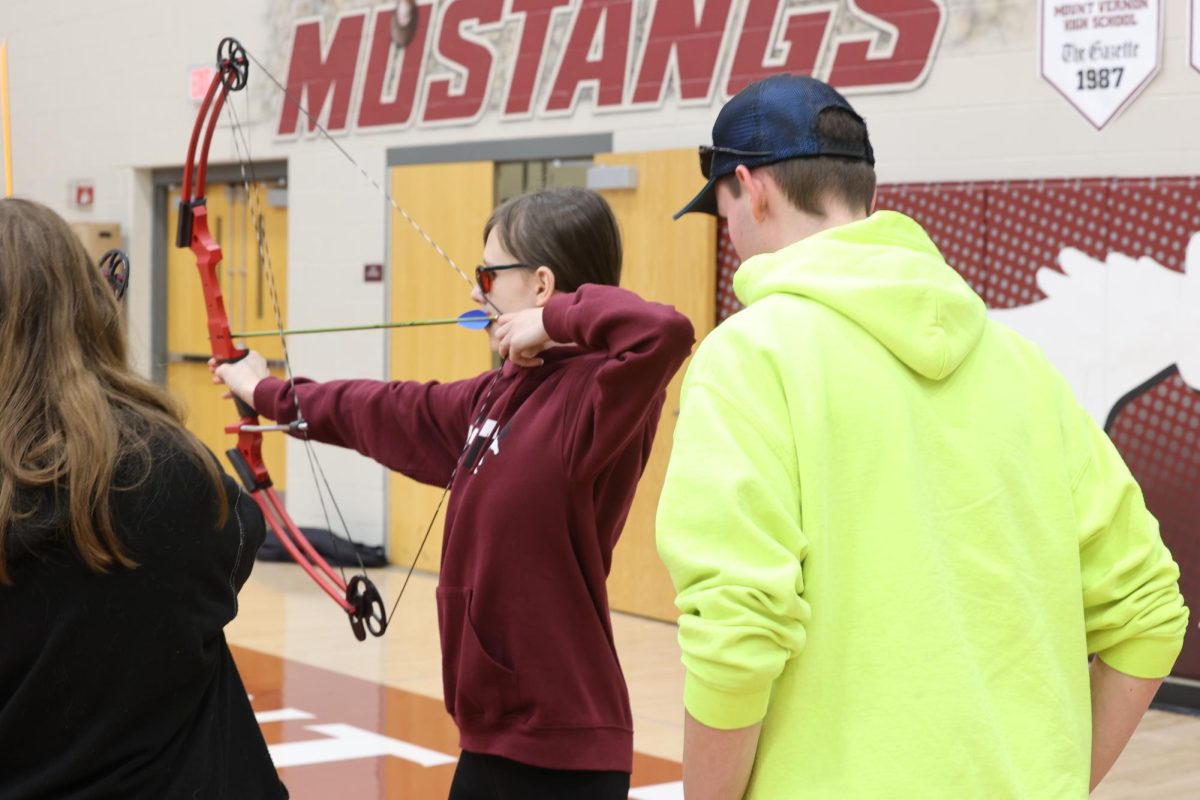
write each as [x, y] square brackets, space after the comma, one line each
[83, 195]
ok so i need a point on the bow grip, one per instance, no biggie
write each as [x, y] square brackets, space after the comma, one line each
[243, 409]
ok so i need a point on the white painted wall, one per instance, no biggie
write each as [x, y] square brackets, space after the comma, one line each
[986, 113]
[336, 223]
[99, 91]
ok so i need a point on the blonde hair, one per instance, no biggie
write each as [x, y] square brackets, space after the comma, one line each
[73, 415]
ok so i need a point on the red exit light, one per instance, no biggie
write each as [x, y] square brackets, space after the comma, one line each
[199, 79]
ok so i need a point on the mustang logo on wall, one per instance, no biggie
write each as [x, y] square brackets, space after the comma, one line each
[1113, 326]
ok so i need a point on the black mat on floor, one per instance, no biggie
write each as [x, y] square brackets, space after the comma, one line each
[334, 549]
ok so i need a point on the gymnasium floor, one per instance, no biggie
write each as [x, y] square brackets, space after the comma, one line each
[365, 720]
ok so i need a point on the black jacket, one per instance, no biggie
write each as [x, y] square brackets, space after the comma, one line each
[121, 684]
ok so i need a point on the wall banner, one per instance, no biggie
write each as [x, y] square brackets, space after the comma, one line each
[1100, 54]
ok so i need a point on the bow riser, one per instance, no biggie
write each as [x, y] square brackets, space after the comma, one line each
[208, 258]
[250, 466]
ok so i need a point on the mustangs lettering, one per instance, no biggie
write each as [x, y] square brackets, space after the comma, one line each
[521, 59]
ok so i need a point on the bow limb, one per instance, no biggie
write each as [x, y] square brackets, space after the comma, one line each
[358, 598]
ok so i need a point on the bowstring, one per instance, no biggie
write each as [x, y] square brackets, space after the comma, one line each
[241, 146]
[484, 407]
[366, 176]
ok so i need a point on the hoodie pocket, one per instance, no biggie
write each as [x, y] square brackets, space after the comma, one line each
[474, 683]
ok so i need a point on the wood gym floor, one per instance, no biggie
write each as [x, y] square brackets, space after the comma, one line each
[366, 720]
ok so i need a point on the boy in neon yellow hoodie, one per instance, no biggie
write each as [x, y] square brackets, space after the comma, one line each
[895, 536]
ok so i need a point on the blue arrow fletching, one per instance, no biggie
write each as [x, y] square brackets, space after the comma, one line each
[476, 319]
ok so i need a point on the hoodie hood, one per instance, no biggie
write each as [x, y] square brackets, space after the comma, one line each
[885, 274]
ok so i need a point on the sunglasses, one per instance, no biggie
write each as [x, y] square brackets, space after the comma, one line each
[707, 152]
[485, 276]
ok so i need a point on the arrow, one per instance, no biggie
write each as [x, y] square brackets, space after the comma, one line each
[476, 320]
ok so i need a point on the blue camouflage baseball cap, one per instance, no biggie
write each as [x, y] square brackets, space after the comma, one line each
[771, 120]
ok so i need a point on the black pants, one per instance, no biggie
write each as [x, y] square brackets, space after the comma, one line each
[484, 777]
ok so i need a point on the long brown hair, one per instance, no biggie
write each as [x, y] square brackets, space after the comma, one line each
[568, 229]
[73, 416]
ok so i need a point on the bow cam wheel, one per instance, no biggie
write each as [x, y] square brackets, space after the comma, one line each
[233, 63]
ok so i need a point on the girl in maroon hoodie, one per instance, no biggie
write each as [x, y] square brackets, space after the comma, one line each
[545, 455]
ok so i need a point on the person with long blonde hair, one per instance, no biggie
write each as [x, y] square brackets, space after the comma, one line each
[122, 549]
